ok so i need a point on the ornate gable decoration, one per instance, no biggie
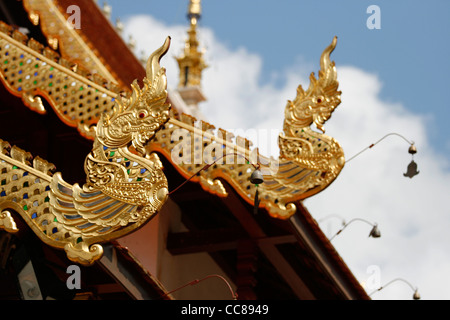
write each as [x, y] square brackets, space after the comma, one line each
[124, 186]
[61, 34]
[309, 160]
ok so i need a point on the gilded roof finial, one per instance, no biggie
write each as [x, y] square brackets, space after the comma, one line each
[194, 11]
[191, 63]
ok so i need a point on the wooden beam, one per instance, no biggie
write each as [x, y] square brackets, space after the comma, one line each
[325, 260]
[287, 272]
[108, 288]
[214, 240]
[247, 263]
[137, 282]
[247, 220]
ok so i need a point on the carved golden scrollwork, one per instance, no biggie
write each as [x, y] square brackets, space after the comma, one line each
[7, 222]
[32, 72]
[54, 23]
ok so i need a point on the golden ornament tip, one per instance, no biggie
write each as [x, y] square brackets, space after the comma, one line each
[153, 67]
[194, 9]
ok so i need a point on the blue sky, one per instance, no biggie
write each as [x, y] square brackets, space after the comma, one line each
[410, 52]
[393, 79]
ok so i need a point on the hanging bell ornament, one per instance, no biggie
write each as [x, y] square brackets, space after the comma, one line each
[411, 171]
[256, 177]
[416, 295]
[412, 149]
[256, 203]
[375, 232]
[412, 167]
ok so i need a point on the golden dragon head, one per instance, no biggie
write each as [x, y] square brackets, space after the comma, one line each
[316, 104]
[119, 165]
[135, 120]
[125, 187]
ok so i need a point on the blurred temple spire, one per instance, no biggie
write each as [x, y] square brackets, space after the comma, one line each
[191, 62]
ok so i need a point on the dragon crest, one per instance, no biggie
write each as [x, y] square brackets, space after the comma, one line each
[315, 105]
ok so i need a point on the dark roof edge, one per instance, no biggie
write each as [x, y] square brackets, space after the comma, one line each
[120, 263]
[309, 232]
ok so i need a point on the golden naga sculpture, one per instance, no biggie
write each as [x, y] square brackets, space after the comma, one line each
[125, 186]
[309, 161]
[304, 146]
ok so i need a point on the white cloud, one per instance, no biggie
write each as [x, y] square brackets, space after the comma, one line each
[412, 214]
[150, 34]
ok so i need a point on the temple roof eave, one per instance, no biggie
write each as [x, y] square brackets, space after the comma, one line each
[60, 69]
[63, 88]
